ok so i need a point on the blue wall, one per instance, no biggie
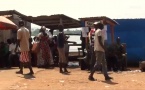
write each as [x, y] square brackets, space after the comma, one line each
[131, 32]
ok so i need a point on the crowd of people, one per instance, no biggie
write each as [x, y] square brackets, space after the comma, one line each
[42, 51]
[99, 55]
[47, 51]
[8, 54]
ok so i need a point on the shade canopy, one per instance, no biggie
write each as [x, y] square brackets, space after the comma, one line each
[53, 21]
[93, 19]
[6, 24]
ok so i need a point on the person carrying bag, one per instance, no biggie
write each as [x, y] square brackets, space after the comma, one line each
[35, 47]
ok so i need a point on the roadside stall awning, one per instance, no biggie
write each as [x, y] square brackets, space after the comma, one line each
[50, 22]
[53, 21]
[93, 19]
[6, 24]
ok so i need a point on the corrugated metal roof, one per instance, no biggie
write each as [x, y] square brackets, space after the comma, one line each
[98, 18]
[51, 21]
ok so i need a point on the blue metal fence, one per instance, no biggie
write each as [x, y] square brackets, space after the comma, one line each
[131, 32]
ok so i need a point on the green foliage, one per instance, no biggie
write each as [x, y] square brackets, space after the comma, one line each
[34, 32]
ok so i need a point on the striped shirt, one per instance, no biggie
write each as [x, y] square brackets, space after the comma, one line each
[92, 34]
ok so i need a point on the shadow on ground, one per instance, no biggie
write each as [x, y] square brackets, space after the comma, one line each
[9, 68]
[110, 82]
[29, 76]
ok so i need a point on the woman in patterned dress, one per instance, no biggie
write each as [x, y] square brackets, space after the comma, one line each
[45, 56]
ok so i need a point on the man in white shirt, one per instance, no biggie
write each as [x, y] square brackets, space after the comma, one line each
[12, 47]
[23, 40]
[84, 36]
[100, 53]
[13, 54]
[104, 30]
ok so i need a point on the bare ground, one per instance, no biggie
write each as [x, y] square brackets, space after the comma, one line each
[51, 79]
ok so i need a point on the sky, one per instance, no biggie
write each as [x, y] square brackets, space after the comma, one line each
[114, 9]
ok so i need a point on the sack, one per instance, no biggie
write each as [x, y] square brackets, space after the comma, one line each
[35, 48]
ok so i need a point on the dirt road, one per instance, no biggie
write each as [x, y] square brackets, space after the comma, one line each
[51, 79]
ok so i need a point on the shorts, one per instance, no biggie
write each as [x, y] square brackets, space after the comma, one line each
[25, 57]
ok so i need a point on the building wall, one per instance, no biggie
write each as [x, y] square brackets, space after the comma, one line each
[131, 32]
[4, 35]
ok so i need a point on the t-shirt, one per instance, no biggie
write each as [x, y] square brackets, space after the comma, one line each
[12, 48]
[85, 30]
[97, 46]
[49, 34]
[60, 40]
[23, 35]
[92, 35]
[104, 32]
[4, 50]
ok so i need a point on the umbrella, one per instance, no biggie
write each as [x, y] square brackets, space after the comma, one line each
[6, 24]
